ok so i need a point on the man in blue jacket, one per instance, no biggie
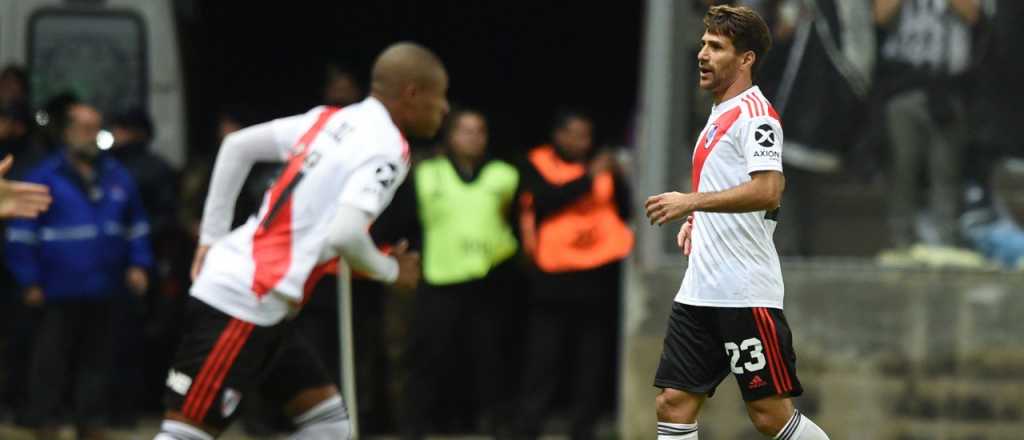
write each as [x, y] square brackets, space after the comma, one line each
[73, 261]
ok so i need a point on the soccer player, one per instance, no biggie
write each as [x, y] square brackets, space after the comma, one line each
[343, 166]
[727, 316]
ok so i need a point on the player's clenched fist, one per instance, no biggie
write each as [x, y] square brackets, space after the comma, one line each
[670, 206]
[408, 266]
[684, 235]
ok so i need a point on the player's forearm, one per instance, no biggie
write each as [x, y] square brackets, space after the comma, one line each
[748, 197]
[237, 154]
[349, 236]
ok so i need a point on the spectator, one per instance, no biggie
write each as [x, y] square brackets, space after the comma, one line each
[133, 132]
[137, 369]
[341, 87]
[15, 139]
[13, 86]
[73, 261]
[463, 201]
[989, 223]
[574, 206]
[52, 119]
[925, 53]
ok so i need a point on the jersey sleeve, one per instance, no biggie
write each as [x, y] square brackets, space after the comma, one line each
[288, 130]
[762, 145]
[372, 184]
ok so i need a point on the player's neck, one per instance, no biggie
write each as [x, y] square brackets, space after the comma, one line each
[735, 89]
[391, 105]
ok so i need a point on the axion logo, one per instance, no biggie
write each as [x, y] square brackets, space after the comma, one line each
[764, 135]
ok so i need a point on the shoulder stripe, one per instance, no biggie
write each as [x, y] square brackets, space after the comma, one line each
[750, 109]
[758, 103]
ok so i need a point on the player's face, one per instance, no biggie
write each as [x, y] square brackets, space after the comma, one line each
[430, 106]
[717, 62]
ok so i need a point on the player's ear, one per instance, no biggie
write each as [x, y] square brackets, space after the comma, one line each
[749, 58]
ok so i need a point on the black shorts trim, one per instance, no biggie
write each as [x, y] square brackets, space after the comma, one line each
[215, 368]
[703, 345]
[222, 359]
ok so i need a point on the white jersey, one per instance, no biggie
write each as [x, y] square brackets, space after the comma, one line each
[356, 156]
[733, 261]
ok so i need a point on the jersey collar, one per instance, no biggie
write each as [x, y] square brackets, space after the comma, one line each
[728, 103]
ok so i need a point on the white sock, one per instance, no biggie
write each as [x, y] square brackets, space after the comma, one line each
[173, 430]
[328, 420]
[677, 431]
[800, 427]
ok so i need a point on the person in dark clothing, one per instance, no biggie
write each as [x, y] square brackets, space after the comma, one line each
[137, 368]
[73, 263]
[15, 143]
[341, 88]
[133, 132]
[573, 211]
[925, 59]
[463, 199]
[13, 85]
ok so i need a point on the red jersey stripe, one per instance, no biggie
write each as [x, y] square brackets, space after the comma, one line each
[322, 269]
[774, 114]
[272, 242]
[704, 147]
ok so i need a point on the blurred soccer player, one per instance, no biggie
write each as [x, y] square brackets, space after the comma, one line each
[727, 316]
[342, 168]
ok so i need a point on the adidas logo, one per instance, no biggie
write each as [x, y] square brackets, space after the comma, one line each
[756, 382]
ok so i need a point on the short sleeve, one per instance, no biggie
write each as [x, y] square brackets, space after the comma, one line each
[372, 184]
[762, 146]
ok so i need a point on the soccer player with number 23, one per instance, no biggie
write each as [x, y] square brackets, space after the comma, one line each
[727, 316]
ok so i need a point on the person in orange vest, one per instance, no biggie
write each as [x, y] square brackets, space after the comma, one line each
[573, 211]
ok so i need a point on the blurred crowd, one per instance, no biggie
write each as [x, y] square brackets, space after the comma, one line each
[516, 318]
[915, 96]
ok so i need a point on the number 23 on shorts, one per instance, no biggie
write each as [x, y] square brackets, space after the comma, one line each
[753, 347]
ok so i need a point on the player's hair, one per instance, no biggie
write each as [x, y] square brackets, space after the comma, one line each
[744, 27]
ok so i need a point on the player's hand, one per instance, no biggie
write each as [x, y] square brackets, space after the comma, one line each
[684, 235]
[670, 206]
[34, 296]
[137, 280]
[20, 199]
[408, 266]
[197, 262]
